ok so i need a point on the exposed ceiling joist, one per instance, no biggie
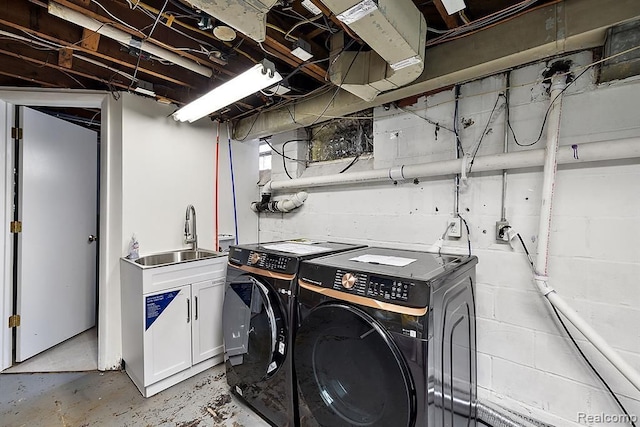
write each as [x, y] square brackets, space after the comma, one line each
[450, 20]
[551, 30]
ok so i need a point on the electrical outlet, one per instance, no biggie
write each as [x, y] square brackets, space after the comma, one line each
[455, 229]
[501, 231]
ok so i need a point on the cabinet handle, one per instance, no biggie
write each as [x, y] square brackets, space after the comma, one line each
[196, 304]
[188, 311]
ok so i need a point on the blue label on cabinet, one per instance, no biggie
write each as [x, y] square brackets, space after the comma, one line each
[155, 305]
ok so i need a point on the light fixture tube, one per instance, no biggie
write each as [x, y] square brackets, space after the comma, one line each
[94, 25]
[258, 77]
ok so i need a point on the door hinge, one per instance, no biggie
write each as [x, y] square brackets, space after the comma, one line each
[16, 226]
[14, 321]
[16, 133]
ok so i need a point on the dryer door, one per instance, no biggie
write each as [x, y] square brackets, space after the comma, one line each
[350, 372]
[254, 331]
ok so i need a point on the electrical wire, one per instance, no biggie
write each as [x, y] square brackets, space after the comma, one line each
[426, 119]
[484, 132]
[595, 371]
[353, 162]
[308, 21]
[456, 125]
[266, 140]
[482, 22]
[546, 115]
[135, 70]
[468, 232]
[304, 19]
[131, 27]
[575, 343]
[284, 162]
[339, 86]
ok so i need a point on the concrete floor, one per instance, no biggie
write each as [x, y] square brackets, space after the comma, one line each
[79, 353]
[82, 399]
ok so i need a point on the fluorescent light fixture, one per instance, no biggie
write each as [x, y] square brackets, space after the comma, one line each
[453, 6]
[254, 79]
[126, 39]
[357, 12]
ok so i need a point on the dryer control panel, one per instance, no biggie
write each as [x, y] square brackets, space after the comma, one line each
[263, 260]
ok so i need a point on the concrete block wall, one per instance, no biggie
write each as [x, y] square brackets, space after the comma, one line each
[525, 360]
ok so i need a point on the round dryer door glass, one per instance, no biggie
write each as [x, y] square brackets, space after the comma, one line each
[350, 373]
[254, 334]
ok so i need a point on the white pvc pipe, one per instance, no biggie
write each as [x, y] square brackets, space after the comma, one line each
[549, 175]
[106, 30]
[588, 152]
[595, 338]
[544, 232]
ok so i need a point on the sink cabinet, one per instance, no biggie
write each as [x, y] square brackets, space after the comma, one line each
[171, 321]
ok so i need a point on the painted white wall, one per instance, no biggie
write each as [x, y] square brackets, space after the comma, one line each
[525, 362]
[167, 165]
[246, 175]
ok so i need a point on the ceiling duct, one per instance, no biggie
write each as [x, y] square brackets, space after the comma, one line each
[396, 31]
[247, 16]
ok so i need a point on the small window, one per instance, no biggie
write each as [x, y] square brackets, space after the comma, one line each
[342, 138]
[265, 156]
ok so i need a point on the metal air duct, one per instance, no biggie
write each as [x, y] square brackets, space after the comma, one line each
[396, 31]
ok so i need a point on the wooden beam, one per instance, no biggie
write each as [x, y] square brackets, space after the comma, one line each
[28, 79]
[141, 35]
[65, 58]
[31, 60]
[90, 40]
[111, 54]
[65, 71]
[450, 21]
[282, 49]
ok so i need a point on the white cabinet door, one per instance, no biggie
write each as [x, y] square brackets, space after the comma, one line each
[167, 334]
[208, 298]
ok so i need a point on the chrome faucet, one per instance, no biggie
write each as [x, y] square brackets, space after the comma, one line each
[190, 231]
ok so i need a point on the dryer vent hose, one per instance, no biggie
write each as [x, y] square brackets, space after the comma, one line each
[287, 205]
[496, 416]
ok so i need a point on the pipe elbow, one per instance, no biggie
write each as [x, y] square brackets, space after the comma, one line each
[294, 202]
[266, 189]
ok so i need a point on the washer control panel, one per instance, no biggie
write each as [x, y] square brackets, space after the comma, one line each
[377, 287]
[263, 260]
[371, 285]
[389, 288]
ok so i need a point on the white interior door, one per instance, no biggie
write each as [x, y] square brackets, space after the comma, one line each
[56, 293]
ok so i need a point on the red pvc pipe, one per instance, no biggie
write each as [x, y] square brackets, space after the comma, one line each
[217, 247]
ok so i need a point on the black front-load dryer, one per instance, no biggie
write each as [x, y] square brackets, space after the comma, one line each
[259, 320]
[387, 339]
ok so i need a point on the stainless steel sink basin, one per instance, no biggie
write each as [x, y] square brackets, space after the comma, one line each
[175, 257]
